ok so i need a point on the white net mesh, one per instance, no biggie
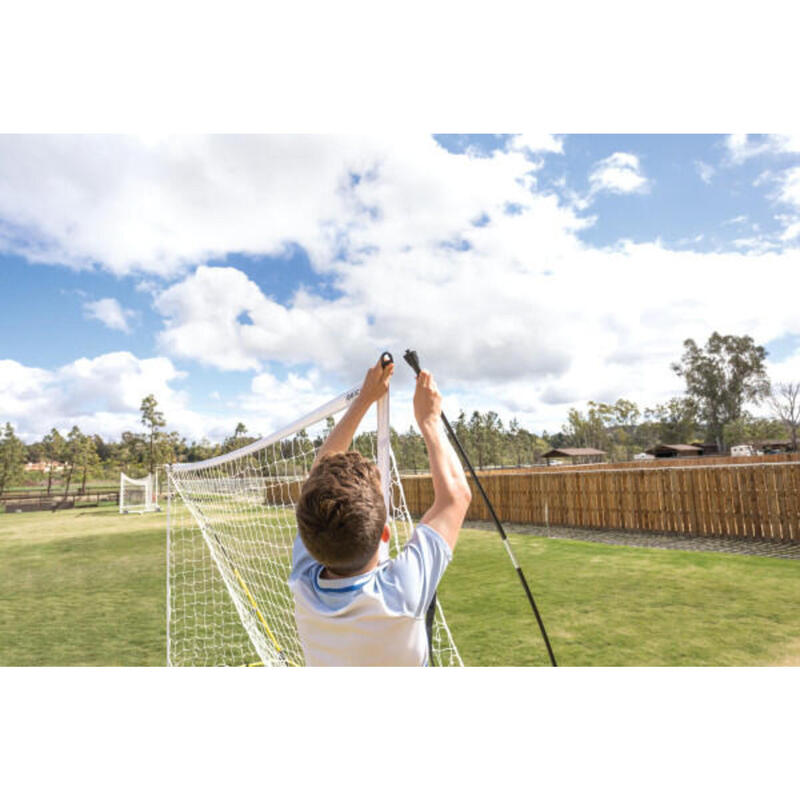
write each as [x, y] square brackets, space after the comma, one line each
[231, 527]
[136, 495]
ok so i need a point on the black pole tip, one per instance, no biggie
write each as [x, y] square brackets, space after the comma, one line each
[386, 358]
[412, 359]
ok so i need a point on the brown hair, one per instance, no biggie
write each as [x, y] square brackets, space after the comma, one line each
[341, 512]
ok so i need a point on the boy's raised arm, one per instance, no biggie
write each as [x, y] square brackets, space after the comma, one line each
[451, 492]
[375, 386]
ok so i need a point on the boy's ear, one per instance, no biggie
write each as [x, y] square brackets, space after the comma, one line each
[385, 535]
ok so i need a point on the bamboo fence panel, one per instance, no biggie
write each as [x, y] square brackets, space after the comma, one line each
[760, 500]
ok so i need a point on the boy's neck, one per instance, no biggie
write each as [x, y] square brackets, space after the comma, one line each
[327, 572]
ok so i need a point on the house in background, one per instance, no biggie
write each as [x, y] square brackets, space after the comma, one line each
[577, 455]
[44, 466]
[708, 448]
[675, 451]
[774, 446]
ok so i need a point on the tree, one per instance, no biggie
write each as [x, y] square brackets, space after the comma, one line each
[785, 402]
[12, 458]
[589, 430]
[493, 435]
[200, 451]
[413, 454]
[74, 453]
[626, 417]
[749, 429]
[673, 422]
[54, 445]
[152, 419]
[131, 453]
[303, 449]
[722, 376]
[464, 434]
[89, 459]
[239, 439]
[515, 441]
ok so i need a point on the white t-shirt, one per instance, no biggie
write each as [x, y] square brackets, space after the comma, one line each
[373, 619]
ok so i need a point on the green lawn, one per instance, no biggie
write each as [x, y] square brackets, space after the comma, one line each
[87, 587]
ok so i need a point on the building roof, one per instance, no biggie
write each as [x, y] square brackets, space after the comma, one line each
[571, 452]
[678, 448]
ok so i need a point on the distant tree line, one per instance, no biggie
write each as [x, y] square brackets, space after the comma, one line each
[721, 378]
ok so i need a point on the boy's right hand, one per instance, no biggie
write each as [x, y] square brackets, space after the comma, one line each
[376, 382]
[427, 400]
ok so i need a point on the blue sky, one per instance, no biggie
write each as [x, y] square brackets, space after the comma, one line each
[246, 277]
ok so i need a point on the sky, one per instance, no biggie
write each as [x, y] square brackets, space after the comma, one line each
[251, 278]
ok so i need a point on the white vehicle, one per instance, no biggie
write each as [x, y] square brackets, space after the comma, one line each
[644, 457]
[745, 450]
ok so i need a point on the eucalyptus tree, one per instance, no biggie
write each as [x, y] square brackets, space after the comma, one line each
[723, 376]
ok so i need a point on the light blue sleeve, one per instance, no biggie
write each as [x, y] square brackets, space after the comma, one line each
[411, 579]
[301, 558]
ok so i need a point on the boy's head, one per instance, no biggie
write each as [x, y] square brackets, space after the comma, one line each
[341, 513]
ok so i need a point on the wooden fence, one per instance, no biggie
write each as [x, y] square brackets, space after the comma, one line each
[756, 500]
[41, 501]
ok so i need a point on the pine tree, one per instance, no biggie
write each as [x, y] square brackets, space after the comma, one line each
[54, 446]
[153, 420]
[12, 458]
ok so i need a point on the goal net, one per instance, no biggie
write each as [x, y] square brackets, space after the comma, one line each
[230, 532]
[136, 496]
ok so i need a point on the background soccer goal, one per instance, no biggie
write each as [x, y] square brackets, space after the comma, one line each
[137, 496]
[230, 531]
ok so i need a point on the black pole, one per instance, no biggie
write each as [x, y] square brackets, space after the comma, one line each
[413, 361]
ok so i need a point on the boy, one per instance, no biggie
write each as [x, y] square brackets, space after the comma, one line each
[351, 610]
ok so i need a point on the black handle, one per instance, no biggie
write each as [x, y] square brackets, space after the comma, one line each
[412, 359]
[386, 358]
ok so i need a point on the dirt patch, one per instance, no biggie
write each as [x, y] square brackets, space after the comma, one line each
[770, 548]
[791, 657]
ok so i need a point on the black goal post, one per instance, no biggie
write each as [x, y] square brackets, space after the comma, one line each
[413, 361]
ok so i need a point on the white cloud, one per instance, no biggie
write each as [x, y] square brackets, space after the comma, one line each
[789, 187]
[102, 395]
[791, 231]
[620, 173]
[158, 206]
[110, 313]
[520, 315]
[786, 190]
[739, 220]
[219, 317]
[536, 143]
[705, 171]
[741, 147]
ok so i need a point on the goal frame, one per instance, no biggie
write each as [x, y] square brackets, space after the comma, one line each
[385, 463]
[148, 484]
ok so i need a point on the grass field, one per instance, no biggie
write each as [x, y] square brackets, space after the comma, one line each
[87, 587]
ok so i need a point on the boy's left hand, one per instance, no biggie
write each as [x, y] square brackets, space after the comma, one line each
[376, 382]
